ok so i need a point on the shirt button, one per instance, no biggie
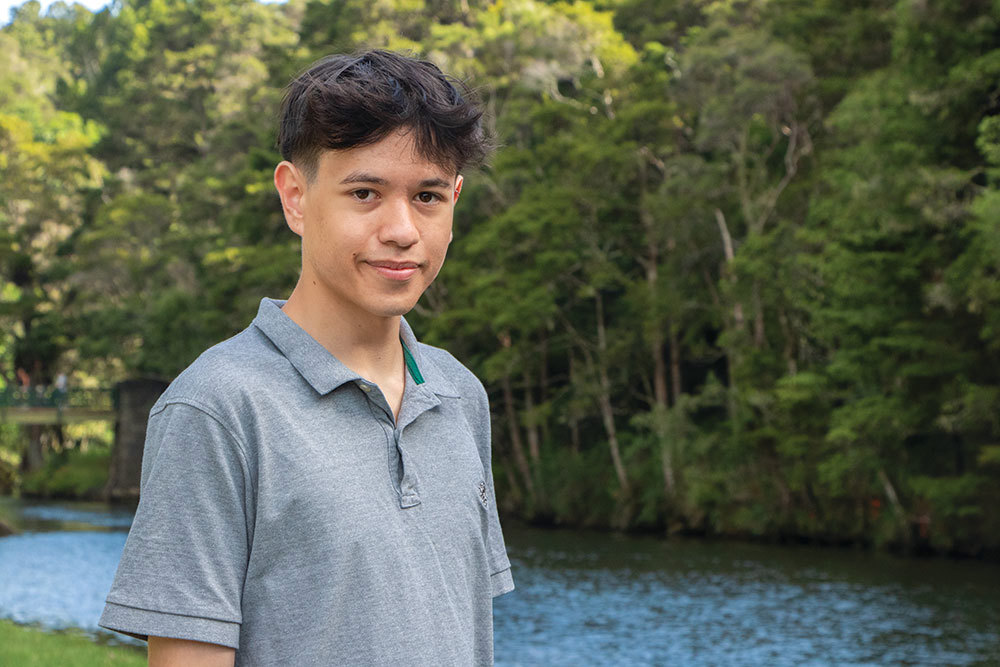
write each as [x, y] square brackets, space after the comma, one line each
[365, 388]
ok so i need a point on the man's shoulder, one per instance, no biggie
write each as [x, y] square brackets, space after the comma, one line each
[226, 374]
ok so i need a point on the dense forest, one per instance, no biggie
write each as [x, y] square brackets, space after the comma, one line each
[734, 269]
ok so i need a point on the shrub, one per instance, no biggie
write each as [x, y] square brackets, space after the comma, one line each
[70, 474]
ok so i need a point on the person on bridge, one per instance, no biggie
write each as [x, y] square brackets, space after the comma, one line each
[318, 490]
[61, 386]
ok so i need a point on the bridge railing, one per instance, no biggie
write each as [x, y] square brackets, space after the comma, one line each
[51, 397]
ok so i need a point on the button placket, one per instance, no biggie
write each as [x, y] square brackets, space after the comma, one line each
[375, 398]
[409, 487]
[402, 475]
[417, 399]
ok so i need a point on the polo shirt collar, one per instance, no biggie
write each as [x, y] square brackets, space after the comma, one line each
[435, 379]
[323, 371]
[314, 362]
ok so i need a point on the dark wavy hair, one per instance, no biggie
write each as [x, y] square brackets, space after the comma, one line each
[344, 101]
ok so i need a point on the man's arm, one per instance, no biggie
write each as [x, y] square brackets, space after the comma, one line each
[185, 561]
[165, 652]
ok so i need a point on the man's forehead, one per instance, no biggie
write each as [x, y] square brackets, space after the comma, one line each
[370, 164]
[401, 146]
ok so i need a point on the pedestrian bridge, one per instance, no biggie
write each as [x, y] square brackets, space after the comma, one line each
[48, 405]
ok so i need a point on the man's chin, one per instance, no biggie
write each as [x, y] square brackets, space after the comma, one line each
[394, 308]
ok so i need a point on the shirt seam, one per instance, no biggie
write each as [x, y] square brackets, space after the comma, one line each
[209, 412]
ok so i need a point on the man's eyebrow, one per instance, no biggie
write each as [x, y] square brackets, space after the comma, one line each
[435, 183]
[366, 177]
[363, 177]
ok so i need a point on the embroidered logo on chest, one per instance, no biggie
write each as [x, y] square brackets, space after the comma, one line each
[484, 496]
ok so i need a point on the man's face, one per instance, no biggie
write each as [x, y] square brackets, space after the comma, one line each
[375, 224]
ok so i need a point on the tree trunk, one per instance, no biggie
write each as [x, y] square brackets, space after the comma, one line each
[660, 397]
[738, 320]
[607, 416]
[666, 455]
[543, 385]
[789, 350]
[531, 428]
[574, 416]
[727, 249]
[759, 338]
[675, 381]
[890, 492]
[660, 410]
[515, 438]
[604, 398]
[675, 363]
[660, 400]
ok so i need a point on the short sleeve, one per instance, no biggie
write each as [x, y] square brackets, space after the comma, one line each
[500, 576]
[182, 571]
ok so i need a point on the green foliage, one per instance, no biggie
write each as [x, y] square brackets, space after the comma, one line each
[584, 482]
[70, 474]
[8, 477]
[734, 270]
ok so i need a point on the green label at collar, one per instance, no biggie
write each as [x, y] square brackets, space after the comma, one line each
[411, 365]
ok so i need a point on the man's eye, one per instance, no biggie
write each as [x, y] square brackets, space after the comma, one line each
[428, 197]
[363, 195]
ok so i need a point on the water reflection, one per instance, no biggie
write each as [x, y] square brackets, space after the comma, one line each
[586, 598]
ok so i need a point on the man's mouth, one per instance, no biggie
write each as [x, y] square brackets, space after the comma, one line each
[394, 270]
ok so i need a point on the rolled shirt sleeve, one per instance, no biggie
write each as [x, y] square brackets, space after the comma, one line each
[185, 560]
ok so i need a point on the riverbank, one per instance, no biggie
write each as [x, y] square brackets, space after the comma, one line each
[586, 597]
[31, 647]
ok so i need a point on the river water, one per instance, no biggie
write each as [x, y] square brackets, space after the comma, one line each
[588, 598]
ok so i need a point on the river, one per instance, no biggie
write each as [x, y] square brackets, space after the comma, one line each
[590, 598]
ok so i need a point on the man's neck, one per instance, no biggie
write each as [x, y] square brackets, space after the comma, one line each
[367, 344]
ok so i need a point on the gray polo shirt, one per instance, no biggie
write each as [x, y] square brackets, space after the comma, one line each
[285, 513]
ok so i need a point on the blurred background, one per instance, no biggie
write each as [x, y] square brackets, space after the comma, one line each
[732, 279]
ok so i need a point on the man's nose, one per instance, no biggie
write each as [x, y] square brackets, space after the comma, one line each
[398, 226]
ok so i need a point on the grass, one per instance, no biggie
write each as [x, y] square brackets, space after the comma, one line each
[30, 647]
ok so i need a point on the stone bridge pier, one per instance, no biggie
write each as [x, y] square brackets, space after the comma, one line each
[134, 398]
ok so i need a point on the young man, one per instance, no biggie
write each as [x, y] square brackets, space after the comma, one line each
[317, 490]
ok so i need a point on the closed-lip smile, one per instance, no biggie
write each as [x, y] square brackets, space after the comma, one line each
[394, 270]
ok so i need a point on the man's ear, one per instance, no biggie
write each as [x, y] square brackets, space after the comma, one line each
[458, 186]
[291, 185]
